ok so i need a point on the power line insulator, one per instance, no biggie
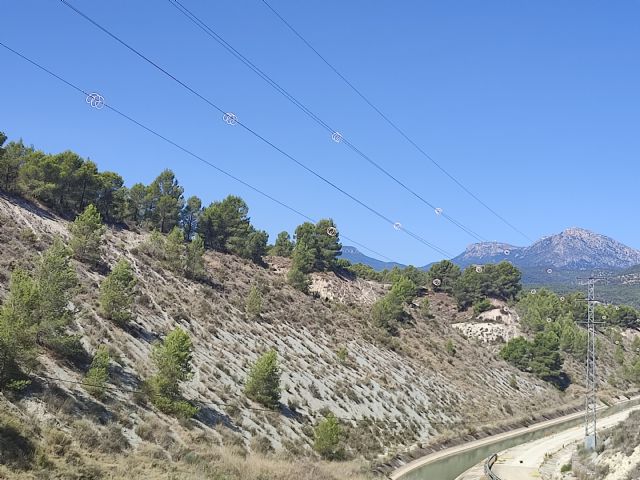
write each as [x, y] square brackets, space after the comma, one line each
[230, 118]
[95, 100]
[336, 137]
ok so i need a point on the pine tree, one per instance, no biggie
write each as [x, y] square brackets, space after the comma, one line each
[154, 246]
[443, 276]
[18, 326]
[298, 279]
[302, 261]
[174, 250]
[172, 359]
[328, 438]
[86, 236]
[56, 283]
[194, 258]
[98, 373]
[263, 381]
[253, 304]
[283, 246]
[189, 217]
[117, 293]
[164, 201]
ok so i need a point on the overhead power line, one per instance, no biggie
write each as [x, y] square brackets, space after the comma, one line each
[256, 134]
[185, 150]
[339, 137]
[394, 125]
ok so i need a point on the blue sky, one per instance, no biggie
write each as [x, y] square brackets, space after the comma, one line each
[533, 105]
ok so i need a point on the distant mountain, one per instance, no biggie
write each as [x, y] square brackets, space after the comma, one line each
[574, 249]
[356, 256]
[487, 252]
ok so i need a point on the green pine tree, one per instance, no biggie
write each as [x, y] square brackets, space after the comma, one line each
[253, 304]
[18, 326]
[194, 258]
[86, 236]
[172, 358]
[283, 246]
[96, 378]
[117, 293]
[328, 438]
[174, 250]
[263, 381]
[56, 282]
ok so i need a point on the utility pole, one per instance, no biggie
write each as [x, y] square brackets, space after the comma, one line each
[591, 400]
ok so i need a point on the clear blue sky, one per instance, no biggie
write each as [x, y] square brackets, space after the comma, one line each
[534, 105]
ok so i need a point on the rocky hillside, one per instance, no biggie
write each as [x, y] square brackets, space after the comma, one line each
[428, 385]
[617, 458]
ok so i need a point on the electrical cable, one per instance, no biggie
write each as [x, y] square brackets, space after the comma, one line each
[185, 150]
[221, 41]
[393, 124]
[253, 132]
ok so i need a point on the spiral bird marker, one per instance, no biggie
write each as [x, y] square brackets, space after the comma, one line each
[95, 100]
[230, 118]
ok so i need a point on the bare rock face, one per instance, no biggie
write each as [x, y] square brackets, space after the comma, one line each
[579, 248]
[574, 248]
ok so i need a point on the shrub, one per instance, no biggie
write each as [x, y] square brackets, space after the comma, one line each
[253, 304]
[172, 358]
[194, 258]
[261, 444]
[117, 293]
[174, 250]
[263, 381]
[17, 450]
[403, 289]
[98, 374]
[386, 312]
[154, 245]
[482, 306]
[86, 236]
[450, 347]
[342, 354]
[425, 309]
[328, 438]
[298, 280]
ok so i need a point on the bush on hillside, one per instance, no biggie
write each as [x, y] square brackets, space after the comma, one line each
[263, 381]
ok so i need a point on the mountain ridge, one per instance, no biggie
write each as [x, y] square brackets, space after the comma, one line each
[574, 248]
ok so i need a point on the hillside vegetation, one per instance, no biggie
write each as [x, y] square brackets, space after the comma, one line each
[617, 456]
[143, 336]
